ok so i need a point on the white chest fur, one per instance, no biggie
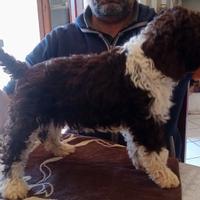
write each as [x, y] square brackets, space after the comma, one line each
[147, 77]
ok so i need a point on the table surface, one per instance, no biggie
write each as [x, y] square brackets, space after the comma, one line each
[190, 179]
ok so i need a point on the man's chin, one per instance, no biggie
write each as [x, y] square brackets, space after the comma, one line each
[108, 2]
[112, 9]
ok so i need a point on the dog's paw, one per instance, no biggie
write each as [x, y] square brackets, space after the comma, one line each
[165, 178]
[14, 189]
[63, 149]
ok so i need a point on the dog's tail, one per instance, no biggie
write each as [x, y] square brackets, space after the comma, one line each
[11, 65]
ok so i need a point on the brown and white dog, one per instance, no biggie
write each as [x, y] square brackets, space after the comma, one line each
[126, 89]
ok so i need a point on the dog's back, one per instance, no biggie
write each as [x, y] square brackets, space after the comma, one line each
[82, 90]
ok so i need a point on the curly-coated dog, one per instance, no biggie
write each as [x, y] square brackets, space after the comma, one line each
[127, 89]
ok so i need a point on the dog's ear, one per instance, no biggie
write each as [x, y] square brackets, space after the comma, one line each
[187, 38]
[173, 41]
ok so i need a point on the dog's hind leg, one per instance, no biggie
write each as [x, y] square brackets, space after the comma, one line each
[54, 144]
[14, 186]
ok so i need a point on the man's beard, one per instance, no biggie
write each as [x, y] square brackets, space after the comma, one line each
[116, 9]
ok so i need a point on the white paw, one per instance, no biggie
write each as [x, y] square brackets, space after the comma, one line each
[63, 149]
[14, 189]
[165, 178]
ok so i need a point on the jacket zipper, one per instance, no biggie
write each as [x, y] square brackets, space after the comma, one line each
[140, 24]
[108, 46]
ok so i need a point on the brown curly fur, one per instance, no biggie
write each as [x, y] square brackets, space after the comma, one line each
[174, 35]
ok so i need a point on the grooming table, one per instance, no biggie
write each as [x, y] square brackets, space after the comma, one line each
[98, 170]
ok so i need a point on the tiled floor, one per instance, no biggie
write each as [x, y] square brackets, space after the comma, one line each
[193, 140]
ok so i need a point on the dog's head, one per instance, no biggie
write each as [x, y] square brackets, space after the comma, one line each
[173, 41]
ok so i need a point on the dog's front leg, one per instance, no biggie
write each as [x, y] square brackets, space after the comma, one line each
[153, 163]
[156, 168]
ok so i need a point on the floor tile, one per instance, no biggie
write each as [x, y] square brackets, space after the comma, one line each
[193, 123]
[189, 140]
[197, 142]
[193, 116]
[193, 133]
[194, 161]
[193, 139]
[192, 150]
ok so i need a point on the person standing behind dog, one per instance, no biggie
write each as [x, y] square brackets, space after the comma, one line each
[103, 25]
